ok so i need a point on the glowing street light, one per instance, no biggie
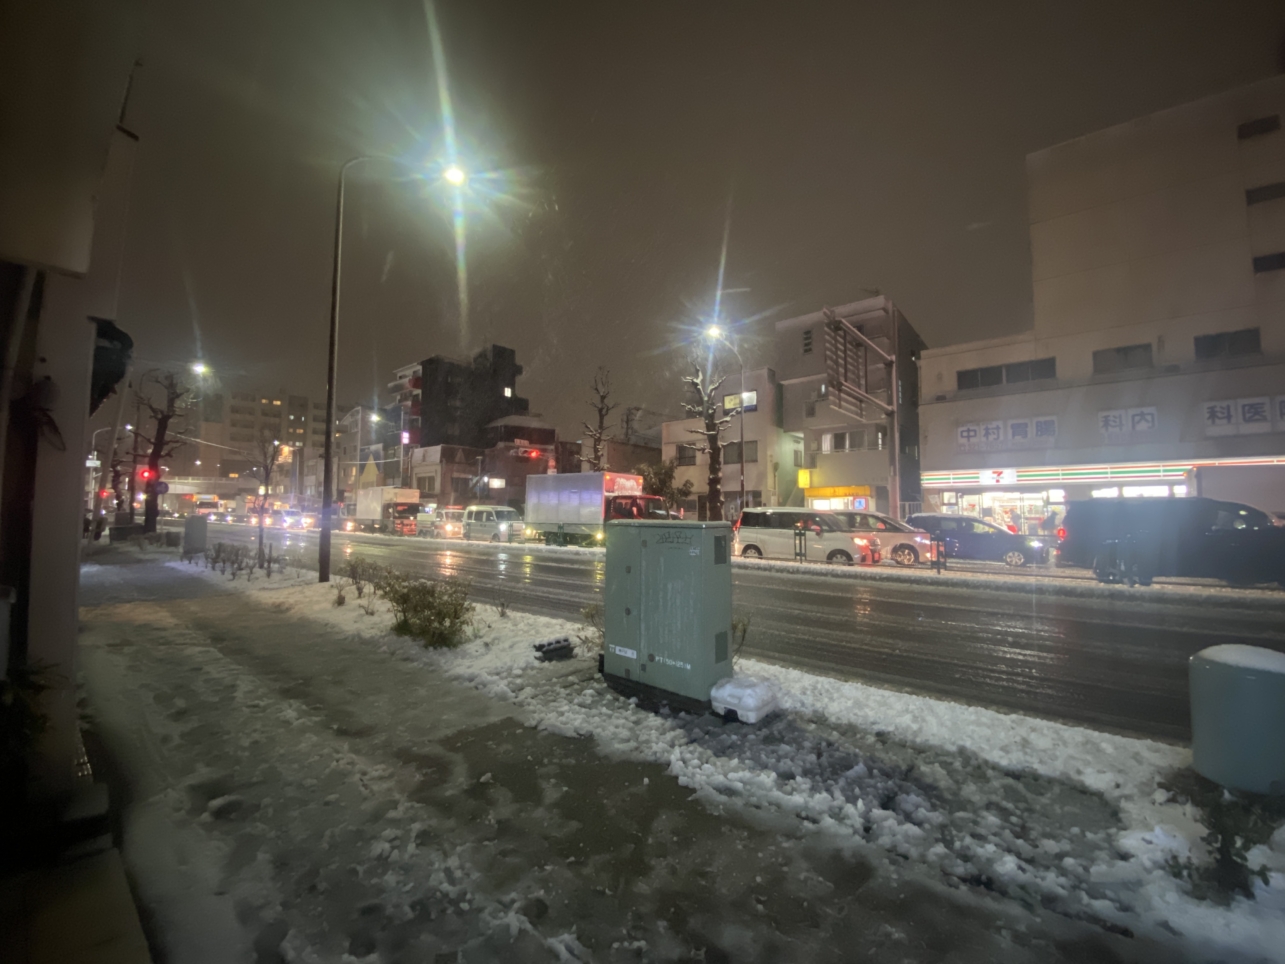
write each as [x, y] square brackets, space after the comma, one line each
[199, 368]
[714, 332]
[455, 175]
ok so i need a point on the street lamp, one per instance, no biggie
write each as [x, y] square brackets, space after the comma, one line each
[715, 333]
[454, 175]
[199, 368]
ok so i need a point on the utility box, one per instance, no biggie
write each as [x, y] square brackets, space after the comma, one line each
[196, 530]
[667, 617]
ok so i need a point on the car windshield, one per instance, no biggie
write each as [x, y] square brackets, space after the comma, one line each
[507, 515]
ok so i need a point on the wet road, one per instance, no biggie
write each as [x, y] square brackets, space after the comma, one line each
[1115, 665]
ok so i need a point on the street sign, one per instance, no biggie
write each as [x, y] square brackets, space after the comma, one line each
[160, 488]
[92, 463]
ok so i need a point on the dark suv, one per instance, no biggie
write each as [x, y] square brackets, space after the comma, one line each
[968, 538]
[1136, 540]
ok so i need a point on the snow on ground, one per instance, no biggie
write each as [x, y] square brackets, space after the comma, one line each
[1044, 813]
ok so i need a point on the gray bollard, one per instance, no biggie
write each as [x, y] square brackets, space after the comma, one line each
[1238, 717]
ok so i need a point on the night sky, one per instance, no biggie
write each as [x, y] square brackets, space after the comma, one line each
[855, 145]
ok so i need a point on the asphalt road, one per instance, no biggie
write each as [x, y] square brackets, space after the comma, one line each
[1114, 665]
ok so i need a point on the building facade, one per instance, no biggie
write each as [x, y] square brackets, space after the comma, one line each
[451, 402]
[1158, 275]
[860, 439]
[770, 457]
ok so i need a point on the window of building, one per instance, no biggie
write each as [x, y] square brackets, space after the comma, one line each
[840, 443]
[810, 408]
[1011, 374]
[807, 341]
[1267, 192]
[508, 392]
[856, 440]
[1243, 342]
[1127, 358]
[1269, 262]
[1262, 125]
[686, 455]
[798, 458]
[881, 438]
[827, 443]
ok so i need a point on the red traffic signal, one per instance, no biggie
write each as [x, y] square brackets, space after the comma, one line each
[104, 493]
[146, 474]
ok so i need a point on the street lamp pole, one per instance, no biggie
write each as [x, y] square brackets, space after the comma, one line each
[454, 175]
[332, 366]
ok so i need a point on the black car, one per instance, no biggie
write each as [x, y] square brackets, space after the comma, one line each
[968, 538]
[1136, 540]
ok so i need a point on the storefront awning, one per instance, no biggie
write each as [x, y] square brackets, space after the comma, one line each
[1053, 474]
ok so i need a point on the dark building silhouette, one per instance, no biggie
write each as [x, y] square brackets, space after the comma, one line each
[457, 400]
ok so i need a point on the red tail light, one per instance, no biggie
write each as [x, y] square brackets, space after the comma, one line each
[1061, 532]
[736, 526]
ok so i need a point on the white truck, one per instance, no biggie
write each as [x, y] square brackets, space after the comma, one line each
[1262, 486]
[570, 508]
[387, 508]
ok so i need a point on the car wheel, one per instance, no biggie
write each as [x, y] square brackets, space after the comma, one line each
[751, 552]
[1015, 558]
[904, 555]
[839, 557]
[495, 538]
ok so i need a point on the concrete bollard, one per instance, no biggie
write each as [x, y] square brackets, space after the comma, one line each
[1238, 717]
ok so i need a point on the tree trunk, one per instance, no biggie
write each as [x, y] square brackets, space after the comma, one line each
[151, 503]
[714, 500]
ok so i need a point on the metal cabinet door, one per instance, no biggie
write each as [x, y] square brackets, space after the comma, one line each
[622, 616]
[671, 591]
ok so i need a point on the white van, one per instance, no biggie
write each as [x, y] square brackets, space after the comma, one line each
[772, 534]
[492, 523]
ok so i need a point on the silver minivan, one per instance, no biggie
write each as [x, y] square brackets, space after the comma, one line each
[492, 523]
[773, 534]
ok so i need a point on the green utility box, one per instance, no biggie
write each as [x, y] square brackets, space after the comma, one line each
[668, 606]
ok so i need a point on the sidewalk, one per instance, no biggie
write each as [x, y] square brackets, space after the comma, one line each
[78, 912]
[299, 792]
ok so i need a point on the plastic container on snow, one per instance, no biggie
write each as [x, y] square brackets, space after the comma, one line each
[749, 699]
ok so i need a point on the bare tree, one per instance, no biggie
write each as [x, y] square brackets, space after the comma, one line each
[703, 386]
[162, 395]
[628, 419]
[601, 388]
[264, 458]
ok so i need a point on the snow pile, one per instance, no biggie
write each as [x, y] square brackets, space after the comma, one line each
[1044, 813]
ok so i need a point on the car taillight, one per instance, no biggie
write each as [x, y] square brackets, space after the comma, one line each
[1061, 532]
[736, 526]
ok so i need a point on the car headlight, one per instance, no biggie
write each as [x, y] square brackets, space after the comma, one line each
[598, 536]
[504, 527]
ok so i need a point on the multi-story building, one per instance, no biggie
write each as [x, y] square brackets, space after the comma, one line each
[1158, 273]
[770, 457]
[450, 402]
[229, 425]
[860, 440]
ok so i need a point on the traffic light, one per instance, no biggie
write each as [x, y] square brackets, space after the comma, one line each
[145, 474]
[104, 493]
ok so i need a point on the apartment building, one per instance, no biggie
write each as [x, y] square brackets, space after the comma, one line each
[1158, 277]
[860, 439]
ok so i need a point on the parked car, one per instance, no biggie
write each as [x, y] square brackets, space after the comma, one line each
[492, 523]
[908, 544]
[1136, 540]
[966, 537]
[771, 534]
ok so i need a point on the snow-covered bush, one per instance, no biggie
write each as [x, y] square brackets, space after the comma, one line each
[594, 635]
[362, 572]
[436, 613]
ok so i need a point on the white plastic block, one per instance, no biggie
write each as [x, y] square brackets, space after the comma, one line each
[752, 699]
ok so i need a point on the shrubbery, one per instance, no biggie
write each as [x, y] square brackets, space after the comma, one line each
[436, 613]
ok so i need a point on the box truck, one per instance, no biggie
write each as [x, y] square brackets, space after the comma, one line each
[387, 508]
[570, 508]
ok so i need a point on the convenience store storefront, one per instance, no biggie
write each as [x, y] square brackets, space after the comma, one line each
[1024, 497]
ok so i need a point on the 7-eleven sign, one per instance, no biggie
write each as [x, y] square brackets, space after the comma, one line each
[997, 476]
